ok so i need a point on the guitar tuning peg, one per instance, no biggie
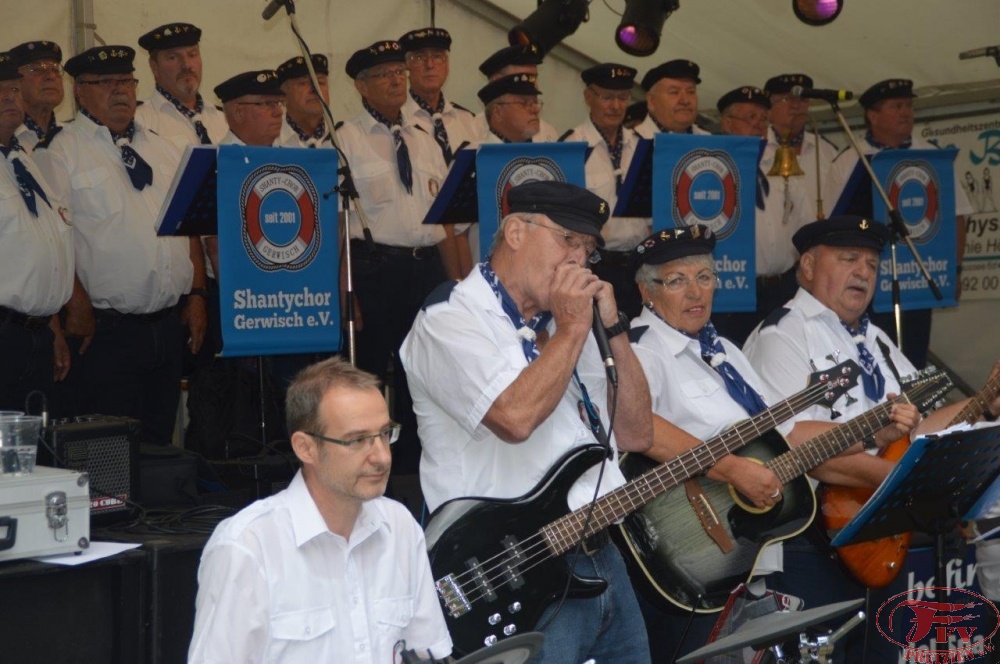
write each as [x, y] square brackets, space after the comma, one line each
[851, 400]
[813, 365]
[834, 413]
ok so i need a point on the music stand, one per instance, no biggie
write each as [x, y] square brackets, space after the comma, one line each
[458, 201]
[192, 206]
[635, 198]
[939, 479]
[771, 629]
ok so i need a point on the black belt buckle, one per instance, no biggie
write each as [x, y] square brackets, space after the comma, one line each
[769, 280]
[595, 543]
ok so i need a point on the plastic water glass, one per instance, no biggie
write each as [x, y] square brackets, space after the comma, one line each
[18, 443]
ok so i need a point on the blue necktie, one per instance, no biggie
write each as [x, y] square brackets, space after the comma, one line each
[402, 152]
[440, 133]
[526, 330]
[192, 115]
[615, 152]
[738, 388]
[26, 182]
[871, 374]
[763, 188]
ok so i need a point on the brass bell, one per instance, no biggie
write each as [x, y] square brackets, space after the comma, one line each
[786, 163]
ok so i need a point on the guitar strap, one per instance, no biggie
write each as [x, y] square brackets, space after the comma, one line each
[887, 355]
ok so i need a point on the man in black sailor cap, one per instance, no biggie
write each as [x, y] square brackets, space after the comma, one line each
[42, 90]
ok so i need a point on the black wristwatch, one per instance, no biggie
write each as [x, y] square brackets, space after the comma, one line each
[623, 325]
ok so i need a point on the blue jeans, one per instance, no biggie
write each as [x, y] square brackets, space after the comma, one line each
[607, 628]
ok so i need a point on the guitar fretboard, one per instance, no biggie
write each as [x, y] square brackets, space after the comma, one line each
[977, 404]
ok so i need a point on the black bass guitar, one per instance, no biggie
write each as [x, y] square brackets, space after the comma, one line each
[498, 562]
[683, 564]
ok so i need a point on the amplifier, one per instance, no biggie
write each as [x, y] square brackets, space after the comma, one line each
[250, 479]
[105, 447]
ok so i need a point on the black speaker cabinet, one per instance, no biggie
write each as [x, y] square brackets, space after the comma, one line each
[105, 447]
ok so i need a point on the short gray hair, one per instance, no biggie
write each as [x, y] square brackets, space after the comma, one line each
[647, 274]
[530, 217]
[307, 389]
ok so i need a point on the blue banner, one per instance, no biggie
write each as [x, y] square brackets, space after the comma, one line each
[921, 186]
[278, 251]
[712, 180]
[500, 166]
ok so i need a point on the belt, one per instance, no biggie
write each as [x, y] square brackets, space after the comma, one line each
[614, 258]
[593, 544]
[149, 318]
[770, 280]
[8, 315]
[418, 253]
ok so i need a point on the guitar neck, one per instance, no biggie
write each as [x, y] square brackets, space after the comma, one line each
[829, 444]
[977, 404]
[564, 533]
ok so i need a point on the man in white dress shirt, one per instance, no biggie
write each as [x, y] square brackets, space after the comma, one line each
[327, 570]
[36, 263]
[176, 109]
[611, 146]
[512, 60]
[41, 89]
[671, 99]
[113, 174]
[304, 124]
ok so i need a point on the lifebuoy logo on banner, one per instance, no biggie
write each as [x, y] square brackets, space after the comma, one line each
[281, 230]
[525, 169]
[707, 182]
[915, 192]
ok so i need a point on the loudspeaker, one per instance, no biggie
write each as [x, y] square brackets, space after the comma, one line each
[106, 448]
[247, 480]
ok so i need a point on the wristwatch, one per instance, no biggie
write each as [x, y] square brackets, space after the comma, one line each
[623, 325]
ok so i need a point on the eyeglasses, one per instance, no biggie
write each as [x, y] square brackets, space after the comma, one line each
[572, 241]
[42, 68]
[388, 435]
[523, 103]
[395, 72]
[111, 83]
[271, 105]
[681, 282]
[423, 57]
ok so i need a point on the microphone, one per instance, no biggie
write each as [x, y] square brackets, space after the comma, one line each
[272, 8]
[604, 347]
[818, 93]
[992, 51]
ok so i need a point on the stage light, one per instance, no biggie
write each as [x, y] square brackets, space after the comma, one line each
[817, 12]
[642, 21]
[553, 21]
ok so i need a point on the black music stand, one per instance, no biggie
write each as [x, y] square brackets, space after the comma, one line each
[940, 479]
[458, 200]
[192, 205]
[635, 199]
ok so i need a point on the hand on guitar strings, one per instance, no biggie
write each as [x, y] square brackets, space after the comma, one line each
[753, 480]
[904, 417]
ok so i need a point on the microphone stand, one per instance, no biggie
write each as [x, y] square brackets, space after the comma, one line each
[898, 229]
[346, 188]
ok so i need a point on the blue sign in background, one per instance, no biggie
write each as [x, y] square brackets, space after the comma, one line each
[712, 180]
[502, 165]
[921, 185]
[278, 251]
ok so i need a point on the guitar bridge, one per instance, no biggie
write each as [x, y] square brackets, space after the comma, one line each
[451, 594]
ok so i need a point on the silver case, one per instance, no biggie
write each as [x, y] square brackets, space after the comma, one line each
[24, 499]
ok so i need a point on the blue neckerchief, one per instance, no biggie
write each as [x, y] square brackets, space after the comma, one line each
[714, 355]
[319, 134]
[192, 115]
[402, 152]
[26, 182]
[871, 374]
[689, 130]
[38, 129]
[615, 152]
[139, 172]
[526, 330]
[505, 140]
[905, 145]
[440, 133]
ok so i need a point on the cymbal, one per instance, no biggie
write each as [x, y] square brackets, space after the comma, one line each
[771, 628]
[515, 650]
